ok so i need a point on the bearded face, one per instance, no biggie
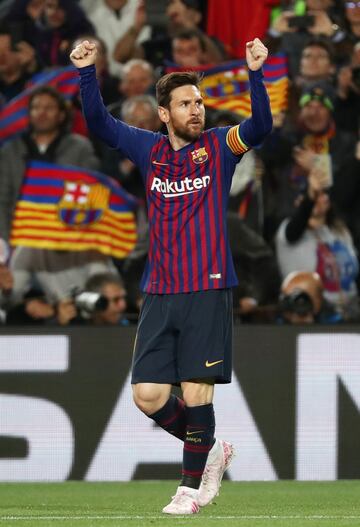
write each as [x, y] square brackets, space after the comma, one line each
[185, 117]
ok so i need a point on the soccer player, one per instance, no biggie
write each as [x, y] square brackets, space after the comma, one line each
[185, 326]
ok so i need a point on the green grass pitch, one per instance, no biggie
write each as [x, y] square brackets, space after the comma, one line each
[139, 504]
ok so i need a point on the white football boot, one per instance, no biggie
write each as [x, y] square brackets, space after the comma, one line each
[185, 501]
[219, 459]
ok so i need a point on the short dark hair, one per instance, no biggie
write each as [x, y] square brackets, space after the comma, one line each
[321, 42]
[171, 81]
[189, 34]
[45, 89]
[97, 281]
[52, 92]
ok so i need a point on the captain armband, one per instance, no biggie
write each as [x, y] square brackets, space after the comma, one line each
[234, 141]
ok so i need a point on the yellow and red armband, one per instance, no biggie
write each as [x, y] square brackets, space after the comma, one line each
[234, 141]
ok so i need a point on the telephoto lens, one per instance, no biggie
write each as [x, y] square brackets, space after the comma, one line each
[88, 302]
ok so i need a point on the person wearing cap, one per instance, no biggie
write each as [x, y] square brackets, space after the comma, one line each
[314, 141]
[314, 238]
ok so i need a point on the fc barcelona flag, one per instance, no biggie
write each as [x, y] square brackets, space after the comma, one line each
[73, 209]
[226, 87]
[14, 117]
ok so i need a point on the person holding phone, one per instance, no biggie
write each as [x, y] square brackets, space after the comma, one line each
[315, 239]
[295, 25]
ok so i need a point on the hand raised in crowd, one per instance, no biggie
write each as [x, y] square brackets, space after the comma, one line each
[281, 24]
[318, 181]
[84, 54]
[323, 24]
[256, 54]
[140, 16]
[304, 157]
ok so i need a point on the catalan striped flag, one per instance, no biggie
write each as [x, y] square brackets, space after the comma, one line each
[14, 117]
[73, 209]
[226, 86]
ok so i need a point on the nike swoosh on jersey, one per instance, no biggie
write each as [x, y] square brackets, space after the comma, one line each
[209, 364]
[195, 432]
[158, 163]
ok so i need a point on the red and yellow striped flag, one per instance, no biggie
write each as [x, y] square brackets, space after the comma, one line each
[73, 209]
[226, 86]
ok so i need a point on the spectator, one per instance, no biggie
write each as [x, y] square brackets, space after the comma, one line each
[108, 308]
[347, 110]
[24, 17]
[112, 288]
[112, 20]
[317, 64]
[352, 30]
[48, 140]
[188, 49]
[289, 157]
[33, 310]
[181, 15]
[137, 78]
[62, 22]
[256, 268]
[302, 301]
[17, 63]
[290, 32]
[314, 239]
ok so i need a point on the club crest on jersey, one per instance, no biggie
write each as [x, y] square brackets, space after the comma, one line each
[200, 155]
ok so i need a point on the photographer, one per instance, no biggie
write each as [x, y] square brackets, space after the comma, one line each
[314, 239]
[302, 302]
[103, 302]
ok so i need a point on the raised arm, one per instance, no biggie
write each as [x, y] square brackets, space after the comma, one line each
[254, 130]
[112, 131]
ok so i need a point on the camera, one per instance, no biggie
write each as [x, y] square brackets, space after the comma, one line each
[88, 302]
[301, 22]
[298, 301]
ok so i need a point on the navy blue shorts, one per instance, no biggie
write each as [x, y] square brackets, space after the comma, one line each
[184, 336]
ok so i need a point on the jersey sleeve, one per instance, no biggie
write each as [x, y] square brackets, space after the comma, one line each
[252, 131]
[234, 141]
[134, 143]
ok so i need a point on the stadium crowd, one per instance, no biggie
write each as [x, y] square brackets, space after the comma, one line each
[294, 209]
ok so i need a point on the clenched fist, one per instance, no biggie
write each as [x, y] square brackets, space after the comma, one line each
[256, 54]
[84, 54]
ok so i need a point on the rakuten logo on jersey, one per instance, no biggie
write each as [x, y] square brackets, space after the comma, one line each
[170, 189]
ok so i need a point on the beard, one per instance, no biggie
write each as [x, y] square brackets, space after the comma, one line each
[186, 133]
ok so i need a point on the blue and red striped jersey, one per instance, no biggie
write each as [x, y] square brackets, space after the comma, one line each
[187, 193]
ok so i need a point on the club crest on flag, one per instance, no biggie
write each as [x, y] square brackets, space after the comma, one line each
[226, 86]
[200, 155]
[68, 208]
[82, 204]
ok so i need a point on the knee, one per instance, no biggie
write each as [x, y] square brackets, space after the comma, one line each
[149, 398]
[197, 393]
